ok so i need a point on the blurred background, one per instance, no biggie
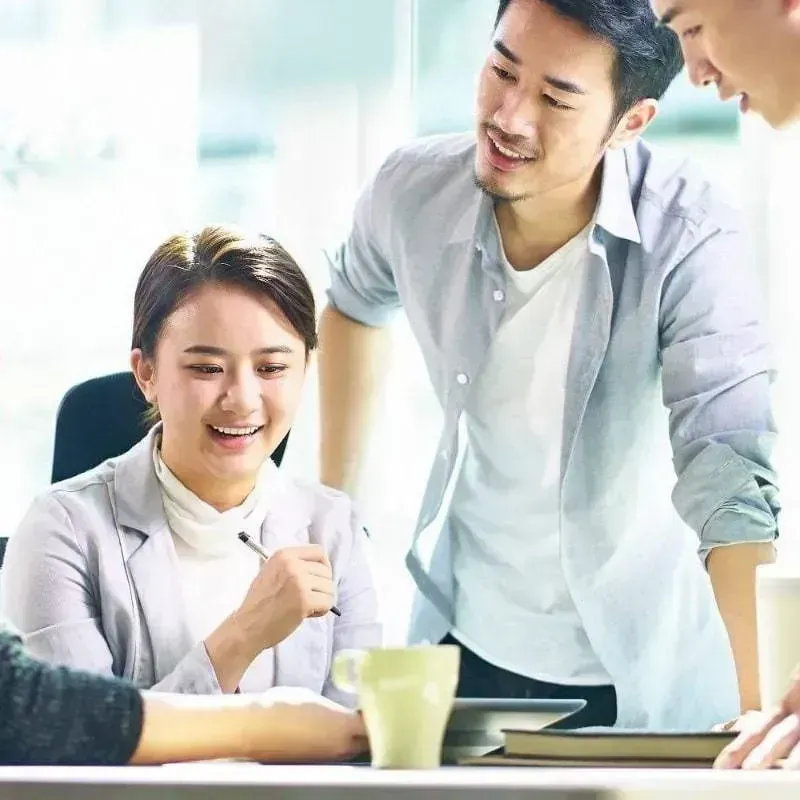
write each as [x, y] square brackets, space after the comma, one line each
[122, 121]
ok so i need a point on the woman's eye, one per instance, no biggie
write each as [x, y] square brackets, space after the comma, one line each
[206, 369]
[690, 33]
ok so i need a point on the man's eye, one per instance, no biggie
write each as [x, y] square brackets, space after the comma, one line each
[551, 101]
[272, 369]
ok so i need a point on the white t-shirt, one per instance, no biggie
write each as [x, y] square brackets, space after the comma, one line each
[513, 607]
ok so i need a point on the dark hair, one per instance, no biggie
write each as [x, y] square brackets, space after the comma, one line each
[648, 55]
[220, 255]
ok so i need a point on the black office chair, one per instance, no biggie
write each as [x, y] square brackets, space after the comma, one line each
[100, 419]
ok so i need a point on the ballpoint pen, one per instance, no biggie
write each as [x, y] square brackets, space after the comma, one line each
[257, 548]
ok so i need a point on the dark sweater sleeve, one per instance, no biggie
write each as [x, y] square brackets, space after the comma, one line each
[55, 715]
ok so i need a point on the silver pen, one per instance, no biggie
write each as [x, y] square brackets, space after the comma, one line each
[259, 550]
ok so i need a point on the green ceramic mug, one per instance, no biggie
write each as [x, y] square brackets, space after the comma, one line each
[406, 696]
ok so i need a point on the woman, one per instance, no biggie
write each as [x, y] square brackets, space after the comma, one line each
[54, 715]
[135, 568]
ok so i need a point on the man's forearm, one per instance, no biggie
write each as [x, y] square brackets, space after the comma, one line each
[352, 366]
[732, 570]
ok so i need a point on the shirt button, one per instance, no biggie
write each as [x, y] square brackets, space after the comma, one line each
[498, 295]
[462, 379]
[444, 455]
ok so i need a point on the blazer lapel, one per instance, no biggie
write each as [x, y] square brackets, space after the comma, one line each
[302, 658]
[162, 633]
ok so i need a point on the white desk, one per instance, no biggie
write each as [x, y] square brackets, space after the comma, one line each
[249, 781]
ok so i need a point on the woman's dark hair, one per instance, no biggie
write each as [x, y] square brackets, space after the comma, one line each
[220, 255]
[648, 55]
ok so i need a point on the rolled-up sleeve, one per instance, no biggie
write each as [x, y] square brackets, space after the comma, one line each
[717, 368]
[362, 284]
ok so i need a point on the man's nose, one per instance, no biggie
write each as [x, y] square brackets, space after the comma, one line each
[701, 71]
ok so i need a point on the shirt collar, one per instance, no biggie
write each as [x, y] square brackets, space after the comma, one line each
[473, 222]
[615, 212]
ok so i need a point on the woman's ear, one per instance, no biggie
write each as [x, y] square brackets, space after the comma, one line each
[144, 372]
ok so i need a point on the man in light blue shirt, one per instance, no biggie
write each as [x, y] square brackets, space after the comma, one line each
[566, 283]
[750, 50]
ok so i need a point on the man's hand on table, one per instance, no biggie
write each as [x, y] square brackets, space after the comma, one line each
[765, 739]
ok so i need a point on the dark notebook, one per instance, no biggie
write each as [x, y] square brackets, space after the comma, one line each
[609, 747]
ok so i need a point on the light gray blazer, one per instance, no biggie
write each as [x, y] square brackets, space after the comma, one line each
[90, 580]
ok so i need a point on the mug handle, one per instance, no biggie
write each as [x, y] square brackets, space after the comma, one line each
[346, 670]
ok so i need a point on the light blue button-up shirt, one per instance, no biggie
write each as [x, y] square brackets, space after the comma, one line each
[669, 352]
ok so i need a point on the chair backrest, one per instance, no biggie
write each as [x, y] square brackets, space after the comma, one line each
[100, 419]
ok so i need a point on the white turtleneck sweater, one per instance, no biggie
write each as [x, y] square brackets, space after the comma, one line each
[215, 569]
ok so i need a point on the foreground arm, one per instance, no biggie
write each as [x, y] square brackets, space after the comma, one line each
[55, 715]
[283, 725]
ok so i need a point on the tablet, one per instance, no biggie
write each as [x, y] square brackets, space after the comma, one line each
[476, 724]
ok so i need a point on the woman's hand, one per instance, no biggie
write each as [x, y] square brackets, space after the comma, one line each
[294, 584]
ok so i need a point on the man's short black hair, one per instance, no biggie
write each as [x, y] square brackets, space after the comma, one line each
[648, 56]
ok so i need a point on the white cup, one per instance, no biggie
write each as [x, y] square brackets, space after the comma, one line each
[778, 609]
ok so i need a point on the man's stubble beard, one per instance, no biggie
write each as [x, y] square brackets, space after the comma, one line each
[496, 194]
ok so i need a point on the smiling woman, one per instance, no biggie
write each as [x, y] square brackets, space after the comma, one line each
[136, 568]
[223, 331]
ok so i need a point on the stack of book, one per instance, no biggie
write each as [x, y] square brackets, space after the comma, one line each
[606, 748]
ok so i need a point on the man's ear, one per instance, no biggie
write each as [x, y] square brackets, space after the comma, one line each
[634, 123]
